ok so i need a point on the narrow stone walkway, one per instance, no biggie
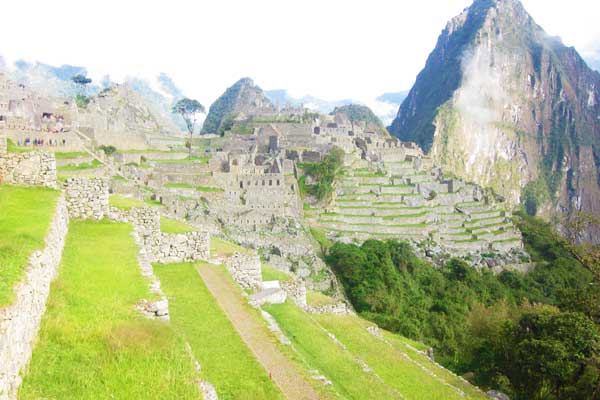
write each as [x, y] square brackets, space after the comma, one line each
[285, 374]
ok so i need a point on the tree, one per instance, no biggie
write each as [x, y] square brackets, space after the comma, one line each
[81, 81]
[189, 110]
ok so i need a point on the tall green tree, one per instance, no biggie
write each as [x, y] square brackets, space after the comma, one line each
[189, 109]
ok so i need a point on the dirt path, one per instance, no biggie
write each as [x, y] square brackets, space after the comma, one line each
[285, 374]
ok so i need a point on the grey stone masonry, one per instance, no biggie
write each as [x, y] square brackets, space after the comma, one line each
[36, 168]
[162, 247]
[245, 270]
[20, 321]
[87, 198]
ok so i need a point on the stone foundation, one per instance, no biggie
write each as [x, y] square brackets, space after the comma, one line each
[19, 322]
[35, 168]
[87, 198]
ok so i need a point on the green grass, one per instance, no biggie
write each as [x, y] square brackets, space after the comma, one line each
[271, 274]
[321, 353]
[390, 364]
[66, 155]
[125, 203]
[25, 216]
[194, 159]
[93, 344]
[119, 178]
[11, 147]
[80, 167]
[168, 225]
[223, 248]
[317, 299]
[226, 361]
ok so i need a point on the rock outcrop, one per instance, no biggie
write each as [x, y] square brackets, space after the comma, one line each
[502, 104]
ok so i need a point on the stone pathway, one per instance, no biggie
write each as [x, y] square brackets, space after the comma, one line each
[285, 374]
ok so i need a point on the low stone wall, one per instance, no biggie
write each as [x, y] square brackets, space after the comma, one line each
[335, 309]
[245, 270]
[35, 168]
[296, 290]
[3, 144]
[167, 248]
[19, 322]
[87, 197]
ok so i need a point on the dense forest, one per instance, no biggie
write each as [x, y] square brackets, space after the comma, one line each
[532, 336]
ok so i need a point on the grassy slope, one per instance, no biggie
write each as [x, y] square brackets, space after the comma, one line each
[349, 380]
[396, 362]
[220, 247]
[226, 361]
[127, 203]
[168, 225]
[25, 216]
[92, 342]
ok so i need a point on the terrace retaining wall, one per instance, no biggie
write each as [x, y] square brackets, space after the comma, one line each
[20, 321]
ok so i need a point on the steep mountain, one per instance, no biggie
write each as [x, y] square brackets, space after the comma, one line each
[243, 98]
[501, 103]
[359, 113]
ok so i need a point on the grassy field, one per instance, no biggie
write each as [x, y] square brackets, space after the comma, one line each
[194, 159]
[271, 274]
[319, 351]
[223, 248]
[226, 361]
[127, 203]
[402, 369]
[66, 155]
[93, 344]
[168, 225]
[11, 147]
[390, 363]
[80, 167]
[25, 216]
[205, 189]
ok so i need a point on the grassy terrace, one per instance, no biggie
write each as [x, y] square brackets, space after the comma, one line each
[226, 361]
[127, 203]
[388, 362]
[80, 167]
[194, 159]
[92, 343]
[271, 274]
[220, 247]
[67, 155]
[168, 225]
[25, 216]
[313, 344]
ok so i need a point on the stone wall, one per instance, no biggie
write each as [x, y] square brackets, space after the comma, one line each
[87, 197]
[3, 144]
[35, 168]
[245, 270]
[19, 322]
[296, 290]
[162, 247]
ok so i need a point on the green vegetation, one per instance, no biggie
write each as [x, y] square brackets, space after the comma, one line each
[118, 178]
[226, 361]
[359, 113]
[192, 159]
[168, 225]
[484, 324]
[82, 101]
[108, 150]
[535, 195]
[324, 174]
[224, 107]
[93, 344]
[25, 216]
[125, 203]
[317, 299]
[11, 147]
[223, 248]
[70, 154]
[271, 274]
[80, 167]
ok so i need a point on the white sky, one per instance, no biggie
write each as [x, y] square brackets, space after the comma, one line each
[331, 49]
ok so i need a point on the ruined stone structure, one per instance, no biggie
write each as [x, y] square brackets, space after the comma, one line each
[163, 247]
[245, 270]
[87, 198]
[3, 143]
[34, 169]
[19, 322]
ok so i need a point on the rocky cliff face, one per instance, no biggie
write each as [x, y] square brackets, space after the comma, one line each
[242, 99]
[501, 103]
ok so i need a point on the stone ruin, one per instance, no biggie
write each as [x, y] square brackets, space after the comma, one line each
[245, 270]
[3, 144]
[87, 198]
[35, 168]
[162, 247]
